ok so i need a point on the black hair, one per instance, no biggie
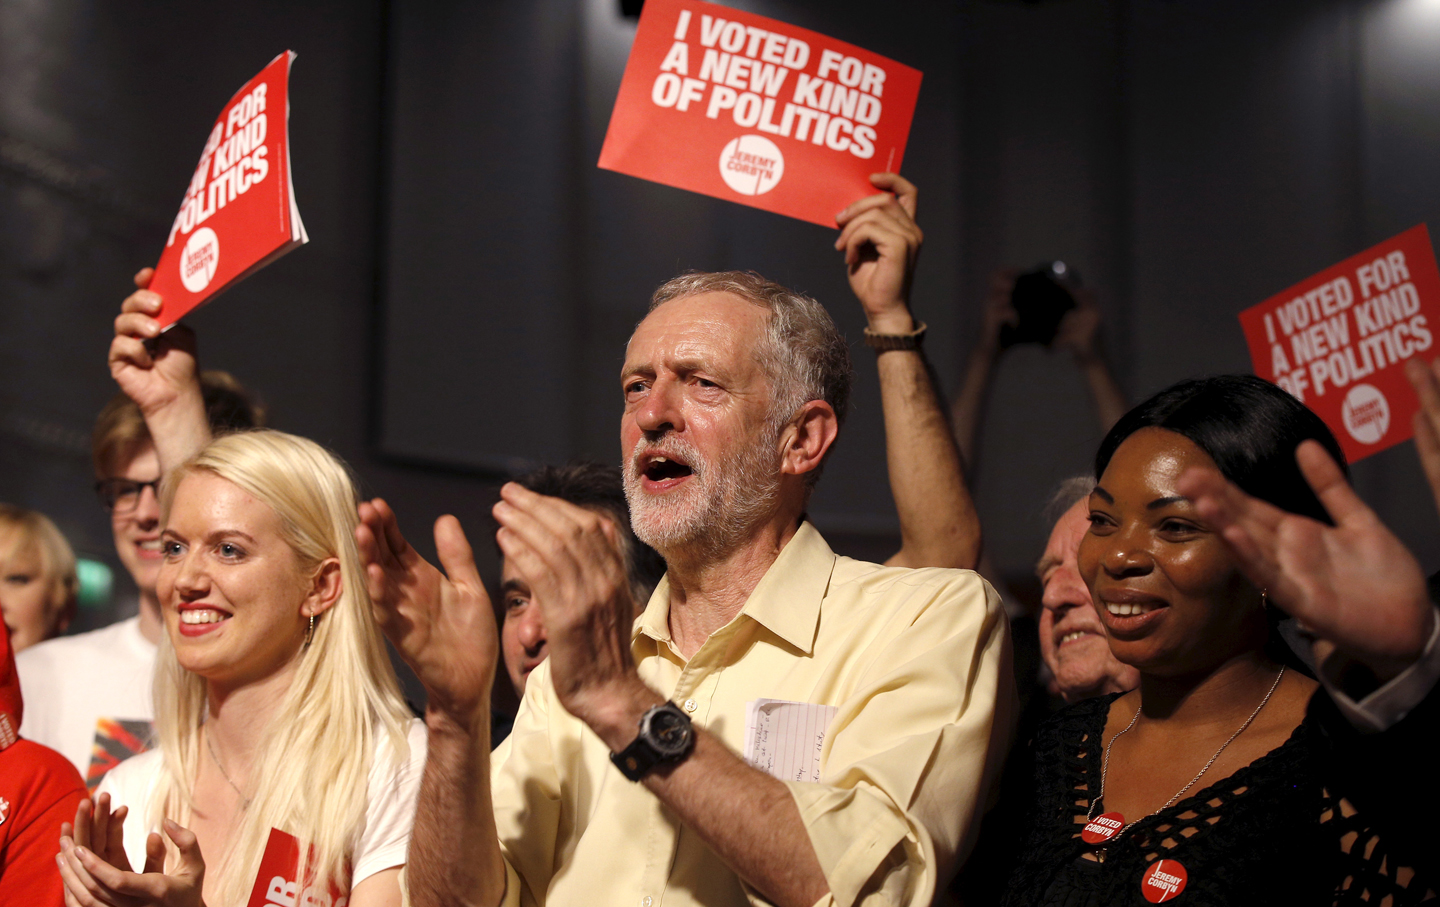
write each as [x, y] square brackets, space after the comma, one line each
[1247, 425]
[1250, 428]
[598, 487]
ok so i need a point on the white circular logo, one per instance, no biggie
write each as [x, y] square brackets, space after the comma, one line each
[198, 259]
[751, 165]
[1366, 413]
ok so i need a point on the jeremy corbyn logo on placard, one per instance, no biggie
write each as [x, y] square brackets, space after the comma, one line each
[199, 259]
[1366, 413]
[751, 165]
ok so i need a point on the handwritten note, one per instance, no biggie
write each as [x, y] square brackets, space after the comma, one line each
[785, 738]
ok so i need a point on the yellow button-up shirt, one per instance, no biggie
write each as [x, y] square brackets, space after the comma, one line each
[917, 663]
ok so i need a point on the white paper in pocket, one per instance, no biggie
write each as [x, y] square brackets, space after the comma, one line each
[784, 738]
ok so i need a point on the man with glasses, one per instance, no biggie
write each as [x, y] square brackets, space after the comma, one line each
[89, 695]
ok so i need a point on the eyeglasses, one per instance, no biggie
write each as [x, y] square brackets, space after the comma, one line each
[123, 495]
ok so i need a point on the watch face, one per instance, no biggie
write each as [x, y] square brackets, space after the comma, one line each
[668, 730]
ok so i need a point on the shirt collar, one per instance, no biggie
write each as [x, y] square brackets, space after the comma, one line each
[786, 601]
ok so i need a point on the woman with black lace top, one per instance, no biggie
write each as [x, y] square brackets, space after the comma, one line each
[1230, 776]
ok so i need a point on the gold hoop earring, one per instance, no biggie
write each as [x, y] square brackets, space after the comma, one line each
[1264, 599]
[309, 632]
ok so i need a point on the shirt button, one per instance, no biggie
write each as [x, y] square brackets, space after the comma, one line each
[690, 706]
[646, 901]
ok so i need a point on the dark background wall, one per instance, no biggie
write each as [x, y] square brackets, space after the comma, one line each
[462, 307]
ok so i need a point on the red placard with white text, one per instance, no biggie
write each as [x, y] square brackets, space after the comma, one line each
[278, 882]
[754, 111]
[239, 212]
[1336, 340]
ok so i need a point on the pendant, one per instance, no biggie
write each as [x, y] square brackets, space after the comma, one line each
[1164, 880]
[1102, 828]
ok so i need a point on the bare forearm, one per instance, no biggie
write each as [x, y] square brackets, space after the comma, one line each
[969, 403]
[744, 815]
[939, 526]
[180, 430]
[748, 818]
[454, 850]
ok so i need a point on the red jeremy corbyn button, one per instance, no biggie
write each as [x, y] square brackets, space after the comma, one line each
[1102, 828]
[1163, 881]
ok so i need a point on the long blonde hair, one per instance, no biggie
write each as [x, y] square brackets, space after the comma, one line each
[311, 775]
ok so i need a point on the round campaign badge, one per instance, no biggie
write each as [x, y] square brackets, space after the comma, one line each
[751, 165]
[199, 259]
[1102, 828]
[1366, 413]
[1163, 881]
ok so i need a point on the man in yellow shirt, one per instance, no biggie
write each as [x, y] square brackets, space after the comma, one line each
[780, 725]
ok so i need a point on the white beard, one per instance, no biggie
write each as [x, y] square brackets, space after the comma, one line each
[716, 509]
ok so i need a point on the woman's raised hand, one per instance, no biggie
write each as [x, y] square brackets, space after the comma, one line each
[153, 369]
[1353, 585]
[97, 873]
[158, 371]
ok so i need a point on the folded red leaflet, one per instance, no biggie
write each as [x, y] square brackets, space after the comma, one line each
[281, 882]
[239, 212]
[755, 111]
[1337, 340]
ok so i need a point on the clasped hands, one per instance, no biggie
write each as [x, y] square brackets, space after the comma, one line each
[97, 873]
[443, 624]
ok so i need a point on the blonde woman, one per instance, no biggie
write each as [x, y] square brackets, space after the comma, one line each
[276, 705]
[37, 577]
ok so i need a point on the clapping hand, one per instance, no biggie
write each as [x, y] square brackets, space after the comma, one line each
[571, 559]
[441, 623]
[97, 873]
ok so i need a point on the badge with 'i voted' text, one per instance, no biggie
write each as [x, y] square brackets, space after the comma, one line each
[1102, 828]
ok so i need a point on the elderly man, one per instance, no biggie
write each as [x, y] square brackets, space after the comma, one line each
[1072, 639]
[626, 779]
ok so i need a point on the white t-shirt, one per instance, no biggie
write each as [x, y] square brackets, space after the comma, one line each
[389, 811]
[88, 696]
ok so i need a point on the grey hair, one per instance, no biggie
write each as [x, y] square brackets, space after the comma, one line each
[803, 353]
[1069, 493]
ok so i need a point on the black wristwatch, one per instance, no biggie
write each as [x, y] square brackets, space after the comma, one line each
[665, 736]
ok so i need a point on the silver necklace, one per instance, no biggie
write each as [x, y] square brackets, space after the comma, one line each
[244, 800]
[1105, 764]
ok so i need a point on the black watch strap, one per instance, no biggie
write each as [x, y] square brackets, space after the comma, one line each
[665, 736]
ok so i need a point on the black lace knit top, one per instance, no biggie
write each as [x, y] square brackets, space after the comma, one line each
[1281, 830]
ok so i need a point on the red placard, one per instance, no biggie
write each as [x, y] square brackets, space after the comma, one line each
[1336, 341]
[278, 882]
[239, 212]
[754, 111]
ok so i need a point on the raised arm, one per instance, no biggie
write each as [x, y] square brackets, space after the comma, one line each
[968, 408]
[939, 526]
[158, 371]
[1079, 332]
[444, 629]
